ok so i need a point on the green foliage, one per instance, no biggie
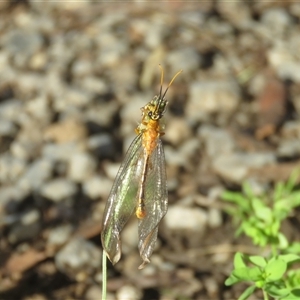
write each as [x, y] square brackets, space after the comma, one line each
[260, 218]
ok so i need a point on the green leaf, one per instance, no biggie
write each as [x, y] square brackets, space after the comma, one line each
[275, 270]
[236, 198]
[247, 293]
[275, 291]
[283, 207]
[292, 279]
[283, 242]
[293, 248]
[293, 295]
[248, 274]
[247, 190]
[232, 280]
[292, 180]
[289, 258]
[258, 260]
[263, 212]
[279, 191]
[239, 261]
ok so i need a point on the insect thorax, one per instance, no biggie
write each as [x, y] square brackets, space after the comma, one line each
[152, 112]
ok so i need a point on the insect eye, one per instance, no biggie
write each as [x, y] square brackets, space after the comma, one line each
[150, 114]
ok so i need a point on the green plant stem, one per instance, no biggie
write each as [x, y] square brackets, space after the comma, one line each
[104, 275]
[266, 297]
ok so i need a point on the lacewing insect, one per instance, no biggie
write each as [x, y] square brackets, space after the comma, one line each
[140, 184]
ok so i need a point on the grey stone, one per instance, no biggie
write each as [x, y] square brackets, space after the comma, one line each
[36, 174]
[11, 168]
[81, 166]
[193, 222]
[28, 227]
[7, 128]
[11, 109]
[58, 152]
[216, 140]
[78, 256]
[59, 235]
[208, 97]
[97, 186]
[22, 42]
[289, 148]
[235, 166]
[187, 59]
[58, 189]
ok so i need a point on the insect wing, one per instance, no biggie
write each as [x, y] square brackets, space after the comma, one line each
[122, 200]
[156, 203]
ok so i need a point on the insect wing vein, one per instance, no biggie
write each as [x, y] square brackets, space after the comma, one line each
[122, 200]
[156, 202]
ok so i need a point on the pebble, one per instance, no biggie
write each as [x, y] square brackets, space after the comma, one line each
[76, 97]
[129, 237]
[69, 130]
[191, 218]
[208, 97]
[192, 221]
[189, 148]
[177, 131]
[7, 128]
[37, 173]
[82, 67]
[102, 113]
[173, 157]
[128, 292]
[156, 31]
[216, 140]
[289, 148]
[9, 194]
[277, 19]
[131, 113]
[212, 287]
[58, 152]
[29, 84]
[282, 60]
[97, 187]
[38, 61]
[28, 227]
[111, 170]
[11, 109]
[102, 145]
[291, 129]
[58, 189]
[94, 292]
[111, 51]
[11, 168]
[215, 219]
[81, 166]
[187, 59]
[235, 166]
[59, 235]
[94, 85]
[78, 257]
[38, 108]
[22, 42]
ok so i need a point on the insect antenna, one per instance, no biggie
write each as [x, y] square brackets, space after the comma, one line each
[161, 80]
[170, 83]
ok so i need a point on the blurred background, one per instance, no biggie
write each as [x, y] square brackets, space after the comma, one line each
[73, 77]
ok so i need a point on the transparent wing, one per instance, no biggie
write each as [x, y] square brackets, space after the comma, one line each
[156, 203]
[122, 200]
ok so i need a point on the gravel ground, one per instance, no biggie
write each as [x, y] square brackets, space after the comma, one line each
[73, 78]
